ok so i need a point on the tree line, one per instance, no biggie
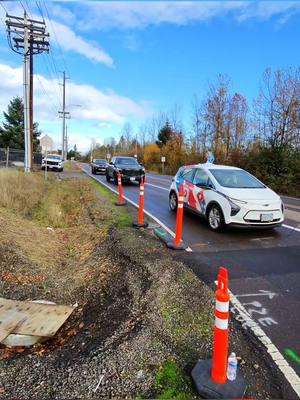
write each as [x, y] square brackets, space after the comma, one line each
[263, 137]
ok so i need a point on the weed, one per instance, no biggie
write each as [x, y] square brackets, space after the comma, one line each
[172, 383]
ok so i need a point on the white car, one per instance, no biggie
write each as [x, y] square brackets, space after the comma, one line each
[226, 196]
[52, 162]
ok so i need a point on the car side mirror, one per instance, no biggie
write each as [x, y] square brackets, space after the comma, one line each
[111, 163]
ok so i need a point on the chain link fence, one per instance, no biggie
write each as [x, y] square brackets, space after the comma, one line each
[15, 158]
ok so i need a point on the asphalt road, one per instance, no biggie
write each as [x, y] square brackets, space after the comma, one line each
[263, 265]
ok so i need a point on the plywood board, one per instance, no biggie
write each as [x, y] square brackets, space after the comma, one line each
[38, 319]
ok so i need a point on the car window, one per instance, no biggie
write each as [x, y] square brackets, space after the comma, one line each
[113, 160]
[201, 178]
[236, 178]
[187, 174]
[126, 161]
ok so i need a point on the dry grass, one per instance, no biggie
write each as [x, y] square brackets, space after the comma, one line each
[21, 192]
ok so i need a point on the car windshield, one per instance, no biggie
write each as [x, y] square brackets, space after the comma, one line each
[53, 157]
[99, 162]
[236, 178]
[126, 161]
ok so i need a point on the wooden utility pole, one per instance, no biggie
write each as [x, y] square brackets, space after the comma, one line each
[64, 115]
[27, 37]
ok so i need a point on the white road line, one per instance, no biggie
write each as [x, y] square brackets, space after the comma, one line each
[137, 206]
[277, 357]
[291, 227]
[159, 187]
[159, 178]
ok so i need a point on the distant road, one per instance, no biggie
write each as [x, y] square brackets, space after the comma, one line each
[259, 261]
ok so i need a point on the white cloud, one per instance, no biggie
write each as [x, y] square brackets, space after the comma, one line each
[70, 41]
[99, 109]
[140, 14]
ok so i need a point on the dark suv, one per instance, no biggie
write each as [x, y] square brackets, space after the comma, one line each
[99, 165]
[129, 168]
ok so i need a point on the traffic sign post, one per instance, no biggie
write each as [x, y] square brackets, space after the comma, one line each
[163, 160]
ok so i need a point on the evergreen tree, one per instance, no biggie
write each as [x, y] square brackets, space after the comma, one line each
[12, 132]
[164, 135]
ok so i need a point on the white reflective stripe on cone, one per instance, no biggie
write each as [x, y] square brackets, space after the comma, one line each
[222, 306]
[180, 198]
[180, 205]
[141, 193]
[142, 187]
[221, 323]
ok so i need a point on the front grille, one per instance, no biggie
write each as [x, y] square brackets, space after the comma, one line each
[52, 162]
[255, 221]
[130, 172]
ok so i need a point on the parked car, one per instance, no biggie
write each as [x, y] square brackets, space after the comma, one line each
[53, 162]
[226, 196]
[99, 165]
[128, 167]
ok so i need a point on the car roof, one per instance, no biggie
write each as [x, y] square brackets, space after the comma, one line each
[208, 166]
[124, 157]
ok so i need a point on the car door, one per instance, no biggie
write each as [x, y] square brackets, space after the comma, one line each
[186, 177]
[111, 167]
[202, 186]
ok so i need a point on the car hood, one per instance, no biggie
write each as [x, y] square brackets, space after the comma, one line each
[264, 194]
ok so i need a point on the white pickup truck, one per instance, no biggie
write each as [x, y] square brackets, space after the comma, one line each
[53, 162]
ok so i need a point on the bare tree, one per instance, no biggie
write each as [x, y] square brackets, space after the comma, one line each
[276, 109]
[174, 118]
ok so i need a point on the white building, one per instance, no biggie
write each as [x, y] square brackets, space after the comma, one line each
[46, 144]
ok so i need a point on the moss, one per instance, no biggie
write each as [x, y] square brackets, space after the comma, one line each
[119, 216]
[172, 383]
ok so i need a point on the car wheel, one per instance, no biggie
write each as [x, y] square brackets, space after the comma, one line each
[107, 177]
[215, 218]
[173, 201]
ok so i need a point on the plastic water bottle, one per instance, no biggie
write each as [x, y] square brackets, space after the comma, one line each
[232, 367]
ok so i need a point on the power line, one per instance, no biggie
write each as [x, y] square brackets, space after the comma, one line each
[47, 94]
[55, 38]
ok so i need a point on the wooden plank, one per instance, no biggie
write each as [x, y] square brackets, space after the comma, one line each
[6, 332]
[38, 319]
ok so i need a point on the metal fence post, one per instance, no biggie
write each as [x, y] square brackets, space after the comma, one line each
[7, 156]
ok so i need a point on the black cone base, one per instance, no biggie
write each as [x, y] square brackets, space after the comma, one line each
[168, 239]
[120, 204]
[137, 225]
[208, 389]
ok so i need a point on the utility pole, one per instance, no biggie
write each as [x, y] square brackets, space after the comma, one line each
[29, 35]
[64, 115]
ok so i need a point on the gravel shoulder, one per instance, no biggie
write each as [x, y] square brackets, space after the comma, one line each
[142, 317]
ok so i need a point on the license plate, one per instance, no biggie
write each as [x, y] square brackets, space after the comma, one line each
[132, 178]
[266, 217]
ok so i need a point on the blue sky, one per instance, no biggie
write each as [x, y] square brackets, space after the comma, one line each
[129, 60]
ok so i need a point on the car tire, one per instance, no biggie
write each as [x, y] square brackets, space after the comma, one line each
[107, 177]
[215, 218]
[173, 201]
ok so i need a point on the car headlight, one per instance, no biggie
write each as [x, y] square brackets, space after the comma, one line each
[43, 161]
[237, 200]
[235, 208]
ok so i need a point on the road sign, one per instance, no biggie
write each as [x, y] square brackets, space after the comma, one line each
[108, 156]
[163, 159]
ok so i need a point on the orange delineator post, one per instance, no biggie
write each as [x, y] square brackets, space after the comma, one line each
[179, 217]
[121, 200]
[220, 353]
[141, 204]
[140, 223]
